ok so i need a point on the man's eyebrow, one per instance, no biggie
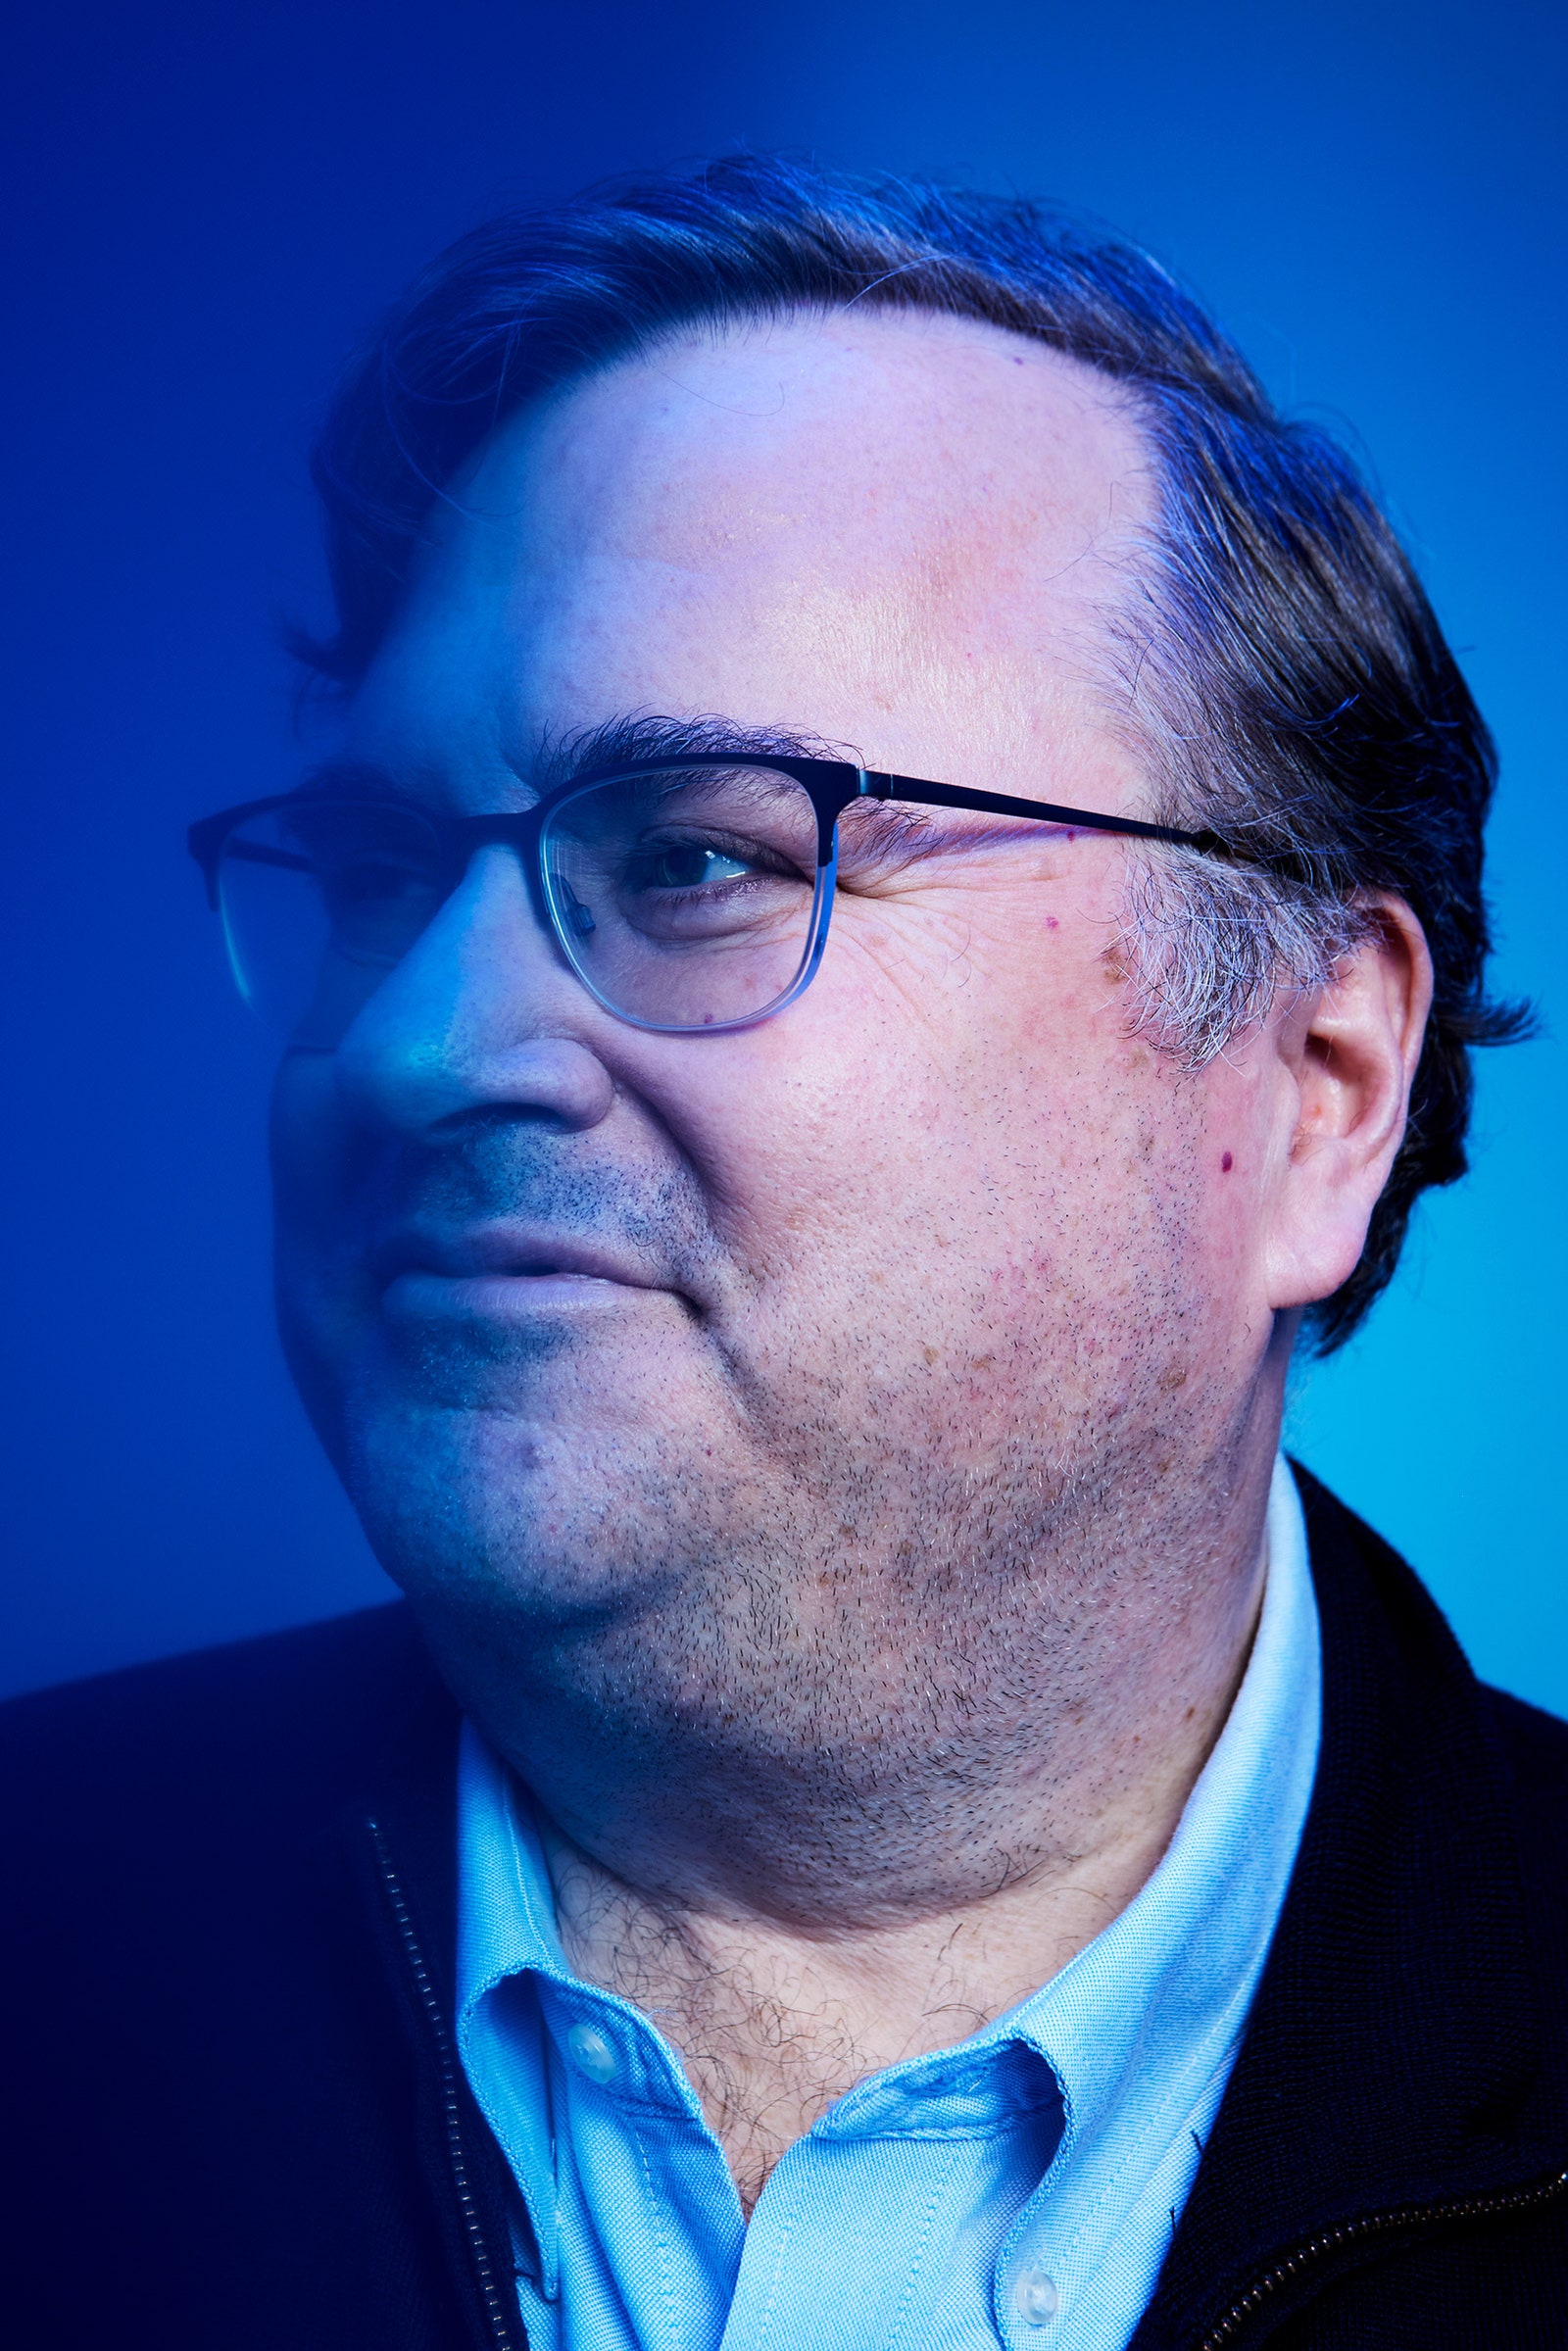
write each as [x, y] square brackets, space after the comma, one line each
[621, 742]
[627, 741]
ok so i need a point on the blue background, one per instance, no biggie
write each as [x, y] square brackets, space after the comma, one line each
[212, 202]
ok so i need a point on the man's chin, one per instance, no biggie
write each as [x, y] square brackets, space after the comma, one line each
[503, 1510]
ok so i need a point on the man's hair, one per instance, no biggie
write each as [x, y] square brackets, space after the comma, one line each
[1276, 662]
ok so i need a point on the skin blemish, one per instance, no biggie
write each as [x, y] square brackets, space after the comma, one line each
[1226, 1164]
[1052, 924]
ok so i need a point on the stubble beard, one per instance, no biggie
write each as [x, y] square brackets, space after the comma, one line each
[833, 1615]
[831, 1657]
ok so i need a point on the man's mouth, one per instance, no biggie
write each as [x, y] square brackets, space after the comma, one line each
[501, 1267]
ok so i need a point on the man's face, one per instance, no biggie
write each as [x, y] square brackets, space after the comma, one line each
[765, 1367]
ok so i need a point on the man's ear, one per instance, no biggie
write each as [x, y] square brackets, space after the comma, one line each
[1348, 1058]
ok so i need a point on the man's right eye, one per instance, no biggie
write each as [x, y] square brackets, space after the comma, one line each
[690, 866]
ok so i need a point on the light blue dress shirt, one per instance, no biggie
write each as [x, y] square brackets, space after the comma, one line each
[1021, 2187]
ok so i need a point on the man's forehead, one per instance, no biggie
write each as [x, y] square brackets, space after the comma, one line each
[870, 435]
[811, 520]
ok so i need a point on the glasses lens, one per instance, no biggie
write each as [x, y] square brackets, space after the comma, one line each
[319, 899]
[687, 899]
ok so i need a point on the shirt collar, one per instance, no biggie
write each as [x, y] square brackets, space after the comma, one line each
[1159, 1998]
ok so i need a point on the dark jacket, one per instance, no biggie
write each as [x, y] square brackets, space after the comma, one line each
[236, 2122]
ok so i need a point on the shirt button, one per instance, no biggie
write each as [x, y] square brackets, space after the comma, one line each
[1035, 2298]
[591, 2052]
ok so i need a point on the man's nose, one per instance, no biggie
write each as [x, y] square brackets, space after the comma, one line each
[481, 1014]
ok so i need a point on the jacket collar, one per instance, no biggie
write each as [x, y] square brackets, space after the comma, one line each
[1395, 2035]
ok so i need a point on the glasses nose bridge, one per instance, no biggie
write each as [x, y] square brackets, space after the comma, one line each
[517, 829]
[481, 961]
[508, 828]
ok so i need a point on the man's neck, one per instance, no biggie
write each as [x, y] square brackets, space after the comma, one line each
[812, 1832]
[776, 2019]
[774, 2025]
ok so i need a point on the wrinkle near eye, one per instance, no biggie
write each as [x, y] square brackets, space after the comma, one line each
[879, 843]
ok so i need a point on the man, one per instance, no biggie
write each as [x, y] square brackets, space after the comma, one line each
[890, 905]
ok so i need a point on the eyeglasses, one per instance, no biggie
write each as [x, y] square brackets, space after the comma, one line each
[690, 895]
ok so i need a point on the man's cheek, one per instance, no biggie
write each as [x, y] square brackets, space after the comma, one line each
[308, 1145]
[321, 1288]
[324, 1188]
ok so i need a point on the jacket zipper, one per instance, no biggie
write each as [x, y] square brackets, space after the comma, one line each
[1406, 2215]
[495, 2308]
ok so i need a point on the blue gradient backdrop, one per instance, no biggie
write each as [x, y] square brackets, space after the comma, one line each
[207, 203]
